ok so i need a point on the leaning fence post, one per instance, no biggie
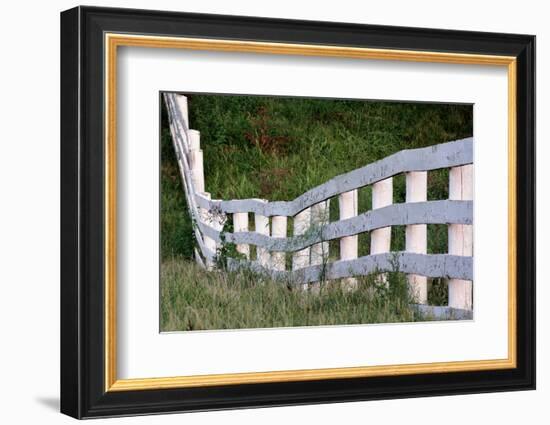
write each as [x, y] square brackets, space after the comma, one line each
[197, 178]
[240, 224]
[278, 230]
[181, 102]
[380, 239]
[300, 259]
[261, 225]
[416, 234]
[349, 245]
[461, 187]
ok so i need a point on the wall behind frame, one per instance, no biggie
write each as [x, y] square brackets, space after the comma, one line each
[29, 224]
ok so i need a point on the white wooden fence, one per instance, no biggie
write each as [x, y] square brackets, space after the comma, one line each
[311, 229]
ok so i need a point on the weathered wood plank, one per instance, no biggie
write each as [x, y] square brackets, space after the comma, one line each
[461, 186]
[444, 155]
[382, 196]
[430, 265]
[416, 235]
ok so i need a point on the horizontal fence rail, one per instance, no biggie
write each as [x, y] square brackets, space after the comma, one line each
[311, 230]
[445, 155]
[432, 212]
[430, 265]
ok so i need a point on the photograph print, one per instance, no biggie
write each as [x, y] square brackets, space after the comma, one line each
[293, 211]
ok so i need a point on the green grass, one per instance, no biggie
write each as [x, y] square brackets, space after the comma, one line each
[193, 299]
[278, 148]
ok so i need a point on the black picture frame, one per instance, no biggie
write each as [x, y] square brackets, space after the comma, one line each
[83, 392]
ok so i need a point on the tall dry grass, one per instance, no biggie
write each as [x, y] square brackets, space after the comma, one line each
[194, 299]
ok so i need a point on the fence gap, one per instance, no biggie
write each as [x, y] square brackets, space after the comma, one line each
[461, 235]
[334, 249]
[334, 215]
[438, 238]
[416, 235]
[364, 244]
[380, 239]
[364, 199]
[364, 196]
[438, 184]
[289, 256]
[438, 293]
[399, 188]
[398, 238]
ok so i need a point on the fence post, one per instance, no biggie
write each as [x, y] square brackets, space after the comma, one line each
[206, 218]
[300, 259]
[240, 224]
[348, 206]
[261, 225]
[320, 251]
[197, 176]
[181, 102]
[215, 219]
[278, 230]
[196, 161]
[194, 140]
[461, 187]
[380, 239]
[416, 234]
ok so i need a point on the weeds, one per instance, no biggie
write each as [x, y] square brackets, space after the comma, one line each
[193, 299]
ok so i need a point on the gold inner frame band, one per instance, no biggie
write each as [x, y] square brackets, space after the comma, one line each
[113, 41]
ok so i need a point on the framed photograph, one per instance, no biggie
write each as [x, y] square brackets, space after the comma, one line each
[261, 212]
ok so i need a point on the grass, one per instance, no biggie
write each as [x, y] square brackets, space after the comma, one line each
[193, 299]
[277, 148]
